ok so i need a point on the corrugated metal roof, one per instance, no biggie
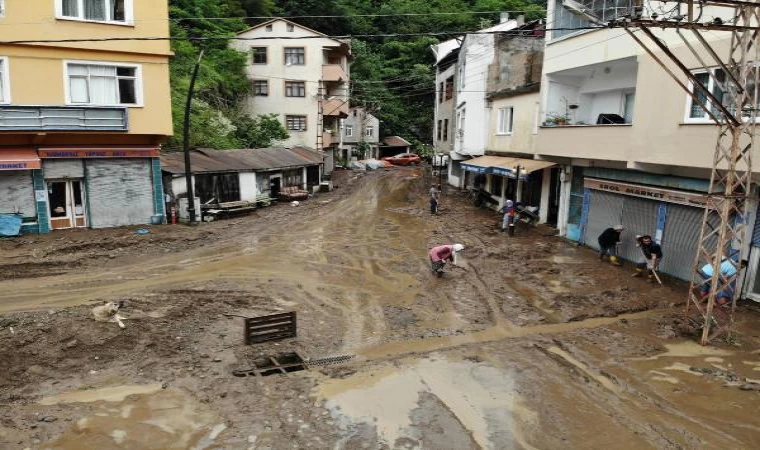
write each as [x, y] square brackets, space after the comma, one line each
[396, 141]
[248, 159]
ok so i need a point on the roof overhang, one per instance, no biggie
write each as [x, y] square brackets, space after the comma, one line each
[505, 166]
[19, 159]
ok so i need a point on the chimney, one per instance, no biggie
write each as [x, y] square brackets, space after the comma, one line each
[504, 17]
[520, 20]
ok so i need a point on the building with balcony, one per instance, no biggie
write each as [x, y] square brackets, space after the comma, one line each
[81, 121]
[302, 76]
[633, 146]
[360, 135]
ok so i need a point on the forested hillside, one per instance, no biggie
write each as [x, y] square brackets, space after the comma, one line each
[392, 72]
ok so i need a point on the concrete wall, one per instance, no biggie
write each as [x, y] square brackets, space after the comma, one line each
[660, 136]
[36, 71]
[524, 124]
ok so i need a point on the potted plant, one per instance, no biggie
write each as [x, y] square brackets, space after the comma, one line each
[549, 122]
[561, 121]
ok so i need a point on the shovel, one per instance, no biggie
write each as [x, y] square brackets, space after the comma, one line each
[650, 266]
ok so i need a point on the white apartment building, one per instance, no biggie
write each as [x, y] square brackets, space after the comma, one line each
[361, 129]
[302, 76]
[634, 148]
[469, 112]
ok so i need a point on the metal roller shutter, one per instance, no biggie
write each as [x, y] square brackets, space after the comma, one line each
[62, 168]
[17, 193]
[680, 240]
[120, 192]
[639, 217]
[604, 211]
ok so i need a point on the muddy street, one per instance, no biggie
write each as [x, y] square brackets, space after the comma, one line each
[531, 343]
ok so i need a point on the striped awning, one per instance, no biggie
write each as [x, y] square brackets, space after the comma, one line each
[505, 166]
[19, 159]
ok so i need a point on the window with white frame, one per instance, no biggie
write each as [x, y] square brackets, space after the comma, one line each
[2, 8]
[369, 131]
[295, 56]
[349, 130]
[505, 120]
[5, 96]
[712, 80]
[103, 84]
[116, 11]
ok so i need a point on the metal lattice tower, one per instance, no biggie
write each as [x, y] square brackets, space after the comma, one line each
[733, 107]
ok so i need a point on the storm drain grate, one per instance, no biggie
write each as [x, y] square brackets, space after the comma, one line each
[285, 363]
[273, 365]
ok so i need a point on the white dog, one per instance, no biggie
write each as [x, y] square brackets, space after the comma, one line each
[109, 312]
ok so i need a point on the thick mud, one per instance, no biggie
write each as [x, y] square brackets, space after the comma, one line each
[531, 343]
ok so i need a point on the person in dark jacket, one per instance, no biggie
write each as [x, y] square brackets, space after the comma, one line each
[651, 253]
[608, 242]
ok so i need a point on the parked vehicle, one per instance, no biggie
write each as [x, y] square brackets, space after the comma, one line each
[403, 159]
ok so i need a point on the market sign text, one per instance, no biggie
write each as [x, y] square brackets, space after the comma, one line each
[665, 195]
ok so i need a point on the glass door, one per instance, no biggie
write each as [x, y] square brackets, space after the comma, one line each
[66, 204]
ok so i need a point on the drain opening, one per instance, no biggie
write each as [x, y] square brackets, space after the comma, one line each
[273, 365]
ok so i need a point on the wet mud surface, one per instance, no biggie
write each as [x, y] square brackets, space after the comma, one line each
[531, 343]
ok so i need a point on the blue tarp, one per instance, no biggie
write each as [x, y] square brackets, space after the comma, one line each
[10, 225]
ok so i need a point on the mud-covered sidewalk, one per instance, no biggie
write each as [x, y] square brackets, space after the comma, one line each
[532, 343]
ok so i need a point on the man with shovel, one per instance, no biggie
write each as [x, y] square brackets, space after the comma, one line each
[442, 253]
[652, 254]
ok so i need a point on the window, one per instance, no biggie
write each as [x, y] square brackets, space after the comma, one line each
[2, 8]
[445, 129]
[295, 123]
[349, 130]
[440, 92]
[5, 95]
[290, 27]
[369, 131]
[295, 89]
[440, 126]
[461, 76]
[505, 120]
[100, 84]
[260, 88]
[578, 13]
[295, 56]
[268, 27]
[116, 11]
[628, 101]
[695, 111]
[259, 55]
[449, 87]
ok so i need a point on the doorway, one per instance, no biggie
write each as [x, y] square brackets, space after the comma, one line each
[274, 187]
[554, 195]
[66, 204]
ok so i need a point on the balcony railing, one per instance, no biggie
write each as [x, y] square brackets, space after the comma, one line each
[334, 72]
[63, 118]
[335, 107]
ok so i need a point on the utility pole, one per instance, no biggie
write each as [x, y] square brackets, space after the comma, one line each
[186, 144]
[734, 110]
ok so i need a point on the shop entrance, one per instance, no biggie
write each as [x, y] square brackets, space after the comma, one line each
[66, 204]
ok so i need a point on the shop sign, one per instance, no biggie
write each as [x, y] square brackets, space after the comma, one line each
[476, 169]
[100, 153]
[19, 165]
[652, 193]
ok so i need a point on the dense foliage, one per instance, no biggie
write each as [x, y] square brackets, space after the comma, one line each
[392, 75]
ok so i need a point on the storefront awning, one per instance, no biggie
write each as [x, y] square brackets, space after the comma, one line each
[505, 166]
[19, 159]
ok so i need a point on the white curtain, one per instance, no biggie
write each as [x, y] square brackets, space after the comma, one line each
[103, 87]
[69, 8]
[95, 9]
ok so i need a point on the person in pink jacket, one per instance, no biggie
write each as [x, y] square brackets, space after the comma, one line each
[442, 253]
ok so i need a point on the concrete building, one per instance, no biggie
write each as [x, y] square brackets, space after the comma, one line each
[234, 175]
[360, 127]
[468, 112]
[81, 122]
[635, 149]
[302, 79]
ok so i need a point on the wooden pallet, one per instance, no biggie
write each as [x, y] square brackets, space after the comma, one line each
[273, 327]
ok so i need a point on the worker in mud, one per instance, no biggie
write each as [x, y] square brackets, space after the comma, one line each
[727, 270]
[435, 193]
[441, 254]
[651, 253]
[608, 244]
[508, 218]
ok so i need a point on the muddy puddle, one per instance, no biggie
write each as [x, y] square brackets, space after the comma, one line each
[137, 417]
[477, 402]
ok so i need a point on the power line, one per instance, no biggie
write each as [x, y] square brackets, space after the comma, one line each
[239, 38]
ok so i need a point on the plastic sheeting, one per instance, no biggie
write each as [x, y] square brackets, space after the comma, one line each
[10, 225]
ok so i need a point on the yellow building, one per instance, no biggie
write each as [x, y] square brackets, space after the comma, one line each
[83, 109]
